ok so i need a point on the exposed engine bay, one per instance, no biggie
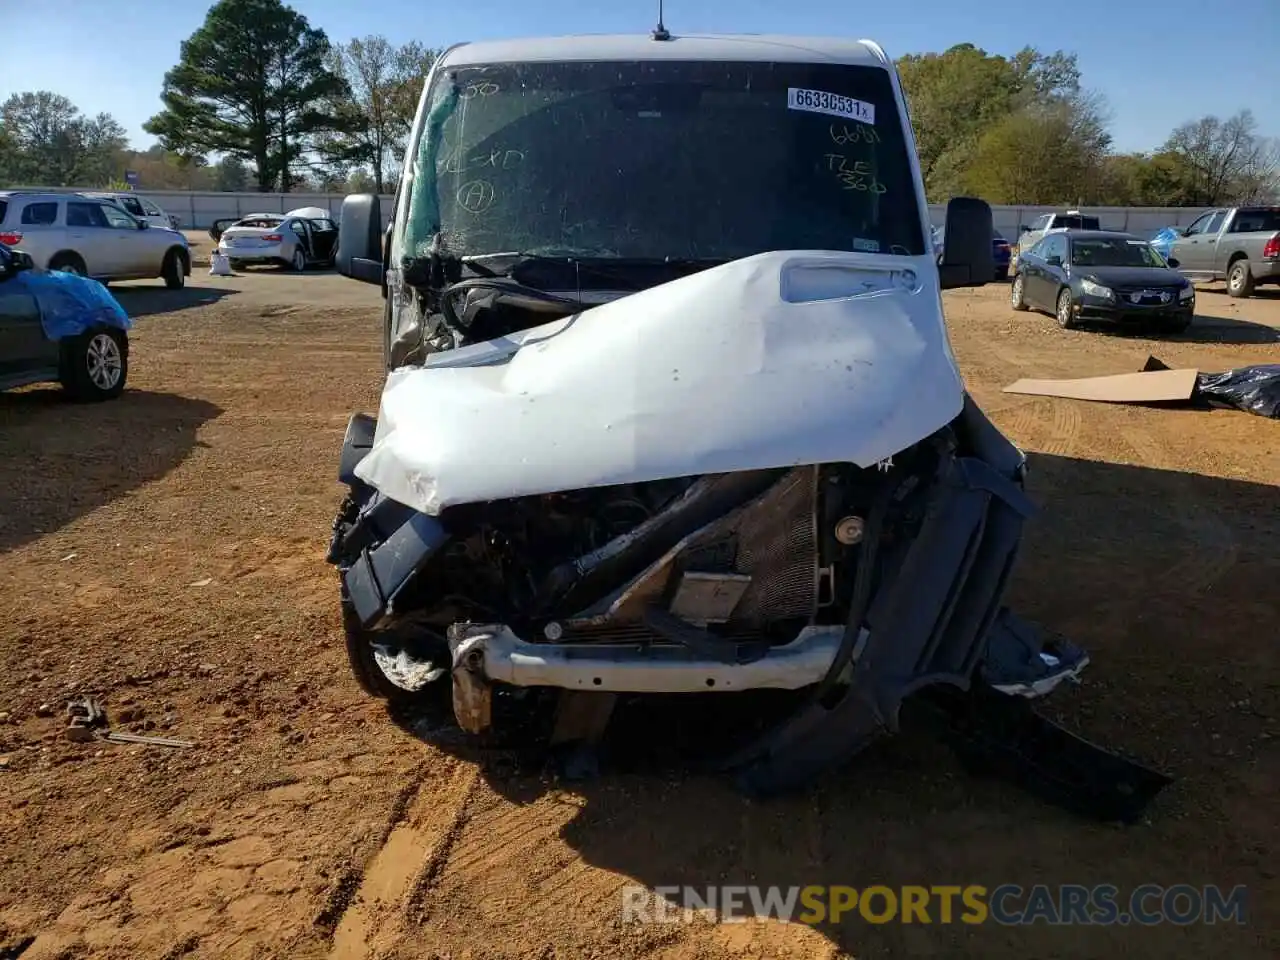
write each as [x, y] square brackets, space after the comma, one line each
[798, 558]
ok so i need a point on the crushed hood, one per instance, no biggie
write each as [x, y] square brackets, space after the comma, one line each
[774, 360]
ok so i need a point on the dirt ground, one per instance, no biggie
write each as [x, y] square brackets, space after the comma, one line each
[165, 553]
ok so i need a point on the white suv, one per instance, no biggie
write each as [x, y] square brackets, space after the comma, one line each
[141, 208]
[92, 237]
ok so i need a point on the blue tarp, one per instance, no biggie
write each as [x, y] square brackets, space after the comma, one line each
[70, 304]
[1163, 241]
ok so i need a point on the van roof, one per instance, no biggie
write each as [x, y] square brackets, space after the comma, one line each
[695, 47]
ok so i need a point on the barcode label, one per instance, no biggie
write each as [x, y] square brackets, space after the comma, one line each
[817, 101]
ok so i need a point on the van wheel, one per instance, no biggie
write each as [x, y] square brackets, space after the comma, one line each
[1240, 279]
[95, 364]
[173, 270]
[69, 263]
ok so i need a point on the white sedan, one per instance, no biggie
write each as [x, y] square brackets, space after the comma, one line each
[297, 239]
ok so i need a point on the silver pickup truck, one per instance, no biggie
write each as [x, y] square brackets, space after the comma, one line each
[1238, 244]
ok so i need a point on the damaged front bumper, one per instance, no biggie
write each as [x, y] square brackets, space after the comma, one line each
[484, 654]
[935, 624]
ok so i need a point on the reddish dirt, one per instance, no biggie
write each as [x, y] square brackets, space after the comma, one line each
[165, 553]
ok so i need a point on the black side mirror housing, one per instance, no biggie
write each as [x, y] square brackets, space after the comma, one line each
[1054, 261]
[360, 238]
[144, 224]
[967, 258]
[15, 263]
[1173, 262]
[1023, 228]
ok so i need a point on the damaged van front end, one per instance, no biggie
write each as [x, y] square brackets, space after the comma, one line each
[652, 461]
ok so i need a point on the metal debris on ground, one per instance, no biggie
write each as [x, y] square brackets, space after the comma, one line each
[89, 722]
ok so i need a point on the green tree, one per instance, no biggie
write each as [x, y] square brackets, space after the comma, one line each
[1145, 180]
[953, 96]
[8, 156]
[384, 84]
[1226, 160]
[50, 143]
[229, 174]
[250, 83]
[413, 62]
[360, 182]
[1045, 77]
[1052, 153]
[957, 96]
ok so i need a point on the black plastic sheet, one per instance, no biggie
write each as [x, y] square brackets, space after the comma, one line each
[1253, 389]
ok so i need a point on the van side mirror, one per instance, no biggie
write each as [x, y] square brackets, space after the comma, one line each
[967, 257]
[1172, 262]
[1023, 228]
[360, 238]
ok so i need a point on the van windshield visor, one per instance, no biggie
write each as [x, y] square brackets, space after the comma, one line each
[662, 159]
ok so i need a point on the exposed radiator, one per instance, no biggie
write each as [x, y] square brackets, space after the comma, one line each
[773, 539]
[777, 540]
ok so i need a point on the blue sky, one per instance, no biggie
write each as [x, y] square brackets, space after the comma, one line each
[111, 55]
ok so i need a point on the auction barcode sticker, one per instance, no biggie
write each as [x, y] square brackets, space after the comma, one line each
[816, 101]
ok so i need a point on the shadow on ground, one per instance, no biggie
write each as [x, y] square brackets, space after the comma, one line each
[1213, 329]
[1168, 579]
[253, 269]
[151, 301]
[61, 460]
[1206, 329]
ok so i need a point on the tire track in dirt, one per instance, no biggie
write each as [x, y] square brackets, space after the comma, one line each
[415, 849]
[1048, 425]
[1213, 549]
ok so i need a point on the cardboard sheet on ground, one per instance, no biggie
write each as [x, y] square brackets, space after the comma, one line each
[1153, 386]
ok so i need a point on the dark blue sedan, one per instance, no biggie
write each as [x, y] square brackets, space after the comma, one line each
[1085, 275]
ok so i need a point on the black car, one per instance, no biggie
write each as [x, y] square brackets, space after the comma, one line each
[59, 328]
[1084, 275]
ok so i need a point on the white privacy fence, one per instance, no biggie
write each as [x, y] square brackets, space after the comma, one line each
[1142, 221]
[196, 210]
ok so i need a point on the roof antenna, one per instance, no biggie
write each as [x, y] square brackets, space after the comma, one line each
[660, 32]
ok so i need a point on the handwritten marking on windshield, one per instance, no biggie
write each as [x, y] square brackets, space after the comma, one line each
[484, 88]
[854, 174]
[496, 159]
[476, 196]
[858, 133]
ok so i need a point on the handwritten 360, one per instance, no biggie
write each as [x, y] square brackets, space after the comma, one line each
[854, 174]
